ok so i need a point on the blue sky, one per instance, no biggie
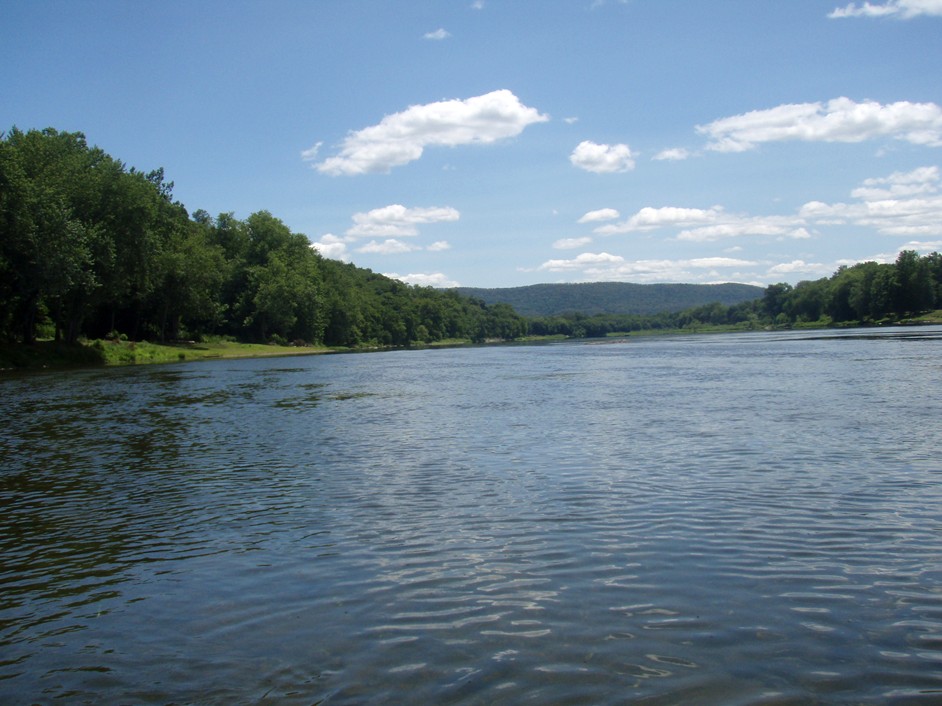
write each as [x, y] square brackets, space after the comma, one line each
[499, 143]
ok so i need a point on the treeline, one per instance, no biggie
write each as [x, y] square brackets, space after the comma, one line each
[90, 248]
[866, 293]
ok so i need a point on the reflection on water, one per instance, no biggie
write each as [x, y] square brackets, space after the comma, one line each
[732, 519]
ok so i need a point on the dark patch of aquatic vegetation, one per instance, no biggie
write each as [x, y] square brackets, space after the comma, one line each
[303, 402]
[213, 398]
[351, 395]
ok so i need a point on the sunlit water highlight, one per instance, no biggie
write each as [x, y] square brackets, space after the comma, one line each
[737, 519]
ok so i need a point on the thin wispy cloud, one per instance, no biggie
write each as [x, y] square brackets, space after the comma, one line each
[838, 120]
[438, 35]
[904, 9]
[674, 154]
[800, 267]
[571, 243]
[390, 246]
[402, 137]
[607, 267]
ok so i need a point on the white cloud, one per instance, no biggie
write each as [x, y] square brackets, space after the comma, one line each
[402, 137]
[477, 5]
[904, 204]
[571, 243]
[607, 267]
[396, 220]
[436, 279]
[735, 226]
[571, 121]
[602, 159]
[438, 35]
[439, 246]
[585, 260]
[838, 120]
[391, 246]
[919, 181]
[800, 267]
[905, 9]
[649, 218]
[311, 152]
[602, 214]
[333, 247]
[672, 154]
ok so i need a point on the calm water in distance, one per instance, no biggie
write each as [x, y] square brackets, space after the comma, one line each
[735, 519]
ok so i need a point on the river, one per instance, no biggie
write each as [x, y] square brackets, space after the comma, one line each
[733, 519]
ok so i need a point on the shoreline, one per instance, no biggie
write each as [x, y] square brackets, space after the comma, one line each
[49, 355]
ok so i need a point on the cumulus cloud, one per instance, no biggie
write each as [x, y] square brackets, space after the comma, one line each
[439, 246]
[602, 159]
[438, 35]
[396, 220]
[436, 279]
[707, 224]
[571, 243]
[838, 120]
[333, 247]
[649, 218]
[672, 154]
[402, 137]
[902, 204]
[919, 181]
[905, 9]
[735, 226]
[602, 214]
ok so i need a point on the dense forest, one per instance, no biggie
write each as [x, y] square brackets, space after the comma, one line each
[592, 298]
[867, 293]
[92, 249]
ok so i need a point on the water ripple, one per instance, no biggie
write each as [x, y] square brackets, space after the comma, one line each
[741, 520]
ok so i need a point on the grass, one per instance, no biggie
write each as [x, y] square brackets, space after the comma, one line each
[49, 354]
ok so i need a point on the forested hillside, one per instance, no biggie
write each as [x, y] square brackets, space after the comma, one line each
[613, 297]
[91, 248]
[868, 293]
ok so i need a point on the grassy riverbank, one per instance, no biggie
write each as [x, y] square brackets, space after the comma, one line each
[49, 354]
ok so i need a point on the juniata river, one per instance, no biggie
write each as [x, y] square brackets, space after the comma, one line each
[734, 519]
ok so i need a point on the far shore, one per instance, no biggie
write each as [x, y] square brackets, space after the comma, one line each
[50, 355]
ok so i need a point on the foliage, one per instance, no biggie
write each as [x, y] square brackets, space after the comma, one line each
[90, 248]
[867, 293]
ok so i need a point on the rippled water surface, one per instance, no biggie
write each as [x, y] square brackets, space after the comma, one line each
[737, 519]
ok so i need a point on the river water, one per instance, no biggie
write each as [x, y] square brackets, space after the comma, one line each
[734, 519]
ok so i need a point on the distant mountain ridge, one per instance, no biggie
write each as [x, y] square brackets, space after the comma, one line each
[612, 297]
